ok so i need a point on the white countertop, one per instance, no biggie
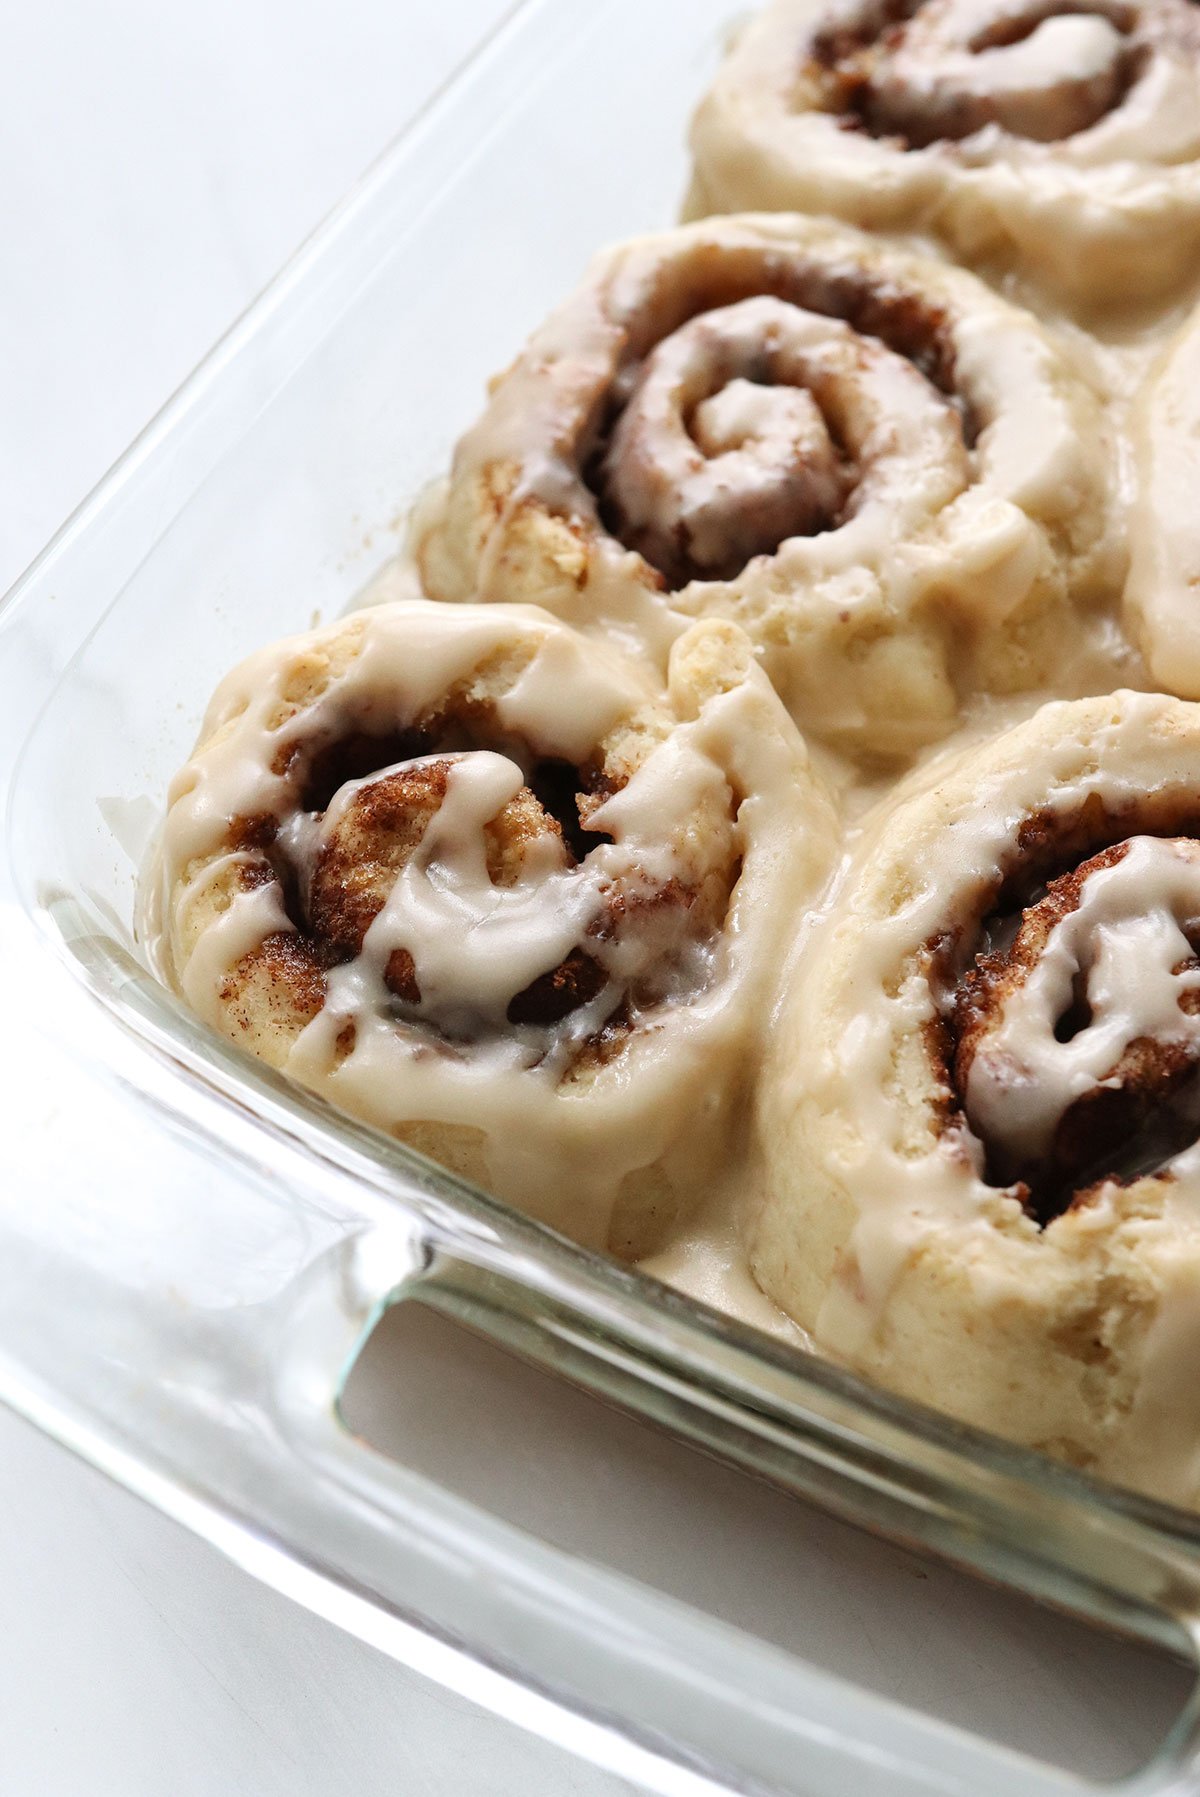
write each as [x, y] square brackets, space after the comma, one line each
[157, 163]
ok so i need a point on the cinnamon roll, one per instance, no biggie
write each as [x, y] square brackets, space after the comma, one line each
[1059, 137]
[489, 888]
[983, 1120]
[1162, 599]
[889, 477]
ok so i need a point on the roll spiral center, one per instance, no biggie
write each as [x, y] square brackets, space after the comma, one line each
[751, 424]
[1078, 1042]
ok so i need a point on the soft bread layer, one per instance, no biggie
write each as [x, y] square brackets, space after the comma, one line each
[1163, 595]
[884, 1231]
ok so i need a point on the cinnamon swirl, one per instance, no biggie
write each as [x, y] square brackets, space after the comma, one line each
[888, 476]
[984, 1117]
[489, 888]
[1058, 137]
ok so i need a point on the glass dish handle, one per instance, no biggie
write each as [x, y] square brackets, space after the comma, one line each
[606, 1648]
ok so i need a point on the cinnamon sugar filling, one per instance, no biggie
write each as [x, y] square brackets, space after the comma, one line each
[363, 806]
[911, 72]
[1067, 1044]
[751, 404]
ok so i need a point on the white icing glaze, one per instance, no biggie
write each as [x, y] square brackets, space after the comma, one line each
[782, 477]
[474, 945]
[231, 936]
[1072, 139]
[720, 783]
[948, 77]
[1125, 941]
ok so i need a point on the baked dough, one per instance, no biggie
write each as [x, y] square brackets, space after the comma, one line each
[893, 480]
[1163, 596]
[982, 1112]
[1061, 140]
[490, 888]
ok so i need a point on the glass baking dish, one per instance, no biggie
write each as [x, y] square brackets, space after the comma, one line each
[192, 1253]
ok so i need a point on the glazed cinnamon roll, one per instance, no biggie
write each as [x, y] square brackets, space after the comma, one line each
[488, 888]
[1162, 599]
[1063, 139]
[888, 476]
[984, 1118]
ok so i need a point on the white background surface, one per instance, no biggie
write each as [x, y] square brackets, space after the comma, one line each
[158, 161]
